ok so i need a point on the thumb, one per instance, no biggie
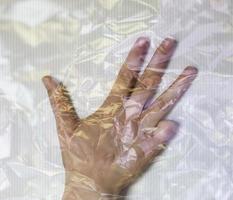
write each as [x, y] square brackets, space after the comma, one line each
[64, 111]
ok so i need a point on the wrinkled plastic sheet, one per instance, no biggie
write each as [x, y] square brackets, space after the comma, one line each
[83, 43]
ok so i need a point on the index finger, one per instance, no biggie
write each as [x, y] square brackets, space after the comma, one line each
[127, 77]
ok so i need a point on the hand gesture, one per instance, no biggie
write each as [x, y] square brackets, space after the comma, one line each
[106, 151]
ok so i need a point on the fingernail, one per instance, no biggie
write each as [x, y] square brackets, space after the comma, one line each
[169, 43]
[143, 42]
[190, 70]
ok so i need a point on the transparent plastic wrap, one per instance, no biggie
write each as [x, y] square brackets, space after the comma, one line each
[90, 48]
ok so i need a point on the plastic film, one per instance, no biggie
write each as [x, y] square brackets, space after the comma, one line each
[121, 100]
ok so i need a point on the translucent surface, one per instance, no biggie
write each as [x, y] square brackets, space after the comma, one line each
[83, 43]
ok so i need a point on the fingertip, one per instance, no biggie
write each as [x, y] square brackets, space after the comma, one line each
[172, 38]
[190, 70]
[169, 42]
[46, 78]
[169, 128]
[174, 126]
[166, 48]
[143, 41]
[169, 124]
[50, 82]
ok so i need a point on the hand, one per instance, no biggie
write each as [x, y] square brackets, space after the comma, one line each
[108, 150]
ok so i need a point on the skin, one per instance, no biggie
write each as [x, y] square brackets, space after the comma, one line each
[107, 151]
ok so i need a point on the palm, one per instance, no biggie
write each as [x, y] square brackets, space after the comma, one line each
[111, 147]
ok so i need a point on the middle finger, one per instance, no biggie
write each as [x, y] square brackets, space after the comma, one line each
[148, 82]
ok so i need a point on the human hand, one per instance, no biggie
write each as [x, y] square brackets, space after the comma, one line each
[106, 151]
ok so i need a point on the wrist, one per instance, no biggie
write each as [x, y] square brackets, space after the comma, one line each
[80, 187]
